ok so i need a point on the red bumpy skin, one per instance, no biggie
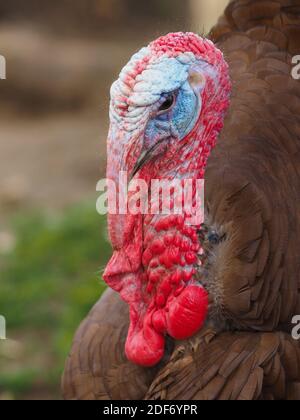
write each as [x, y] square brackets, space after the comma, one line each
[156, 256]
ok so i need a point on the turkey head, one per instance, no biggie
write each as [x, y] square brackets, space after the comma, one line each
[167, 109]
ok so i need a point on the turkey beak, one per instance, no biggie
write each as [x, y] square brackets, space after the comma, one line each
[139, 164]
[143, 159]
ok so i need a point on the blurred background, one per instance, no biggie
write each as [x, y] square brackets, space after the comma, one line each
[62, 57]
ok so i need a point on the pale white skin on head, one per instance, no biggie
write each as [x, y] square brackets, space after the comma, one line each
[162, 75]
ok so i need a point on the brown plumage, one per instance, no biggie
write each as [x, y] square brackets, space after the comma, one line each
[231, 366]
[253, 203]
[101, 337]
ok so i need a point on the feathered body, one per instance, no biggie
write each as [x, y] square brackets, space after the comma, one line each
[251, 272]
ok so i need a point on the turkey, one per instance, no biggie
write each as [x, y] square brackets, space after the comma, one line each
[204, 312]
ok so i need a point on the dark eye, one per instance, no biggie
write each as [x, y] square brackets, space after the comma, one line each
[167, 104]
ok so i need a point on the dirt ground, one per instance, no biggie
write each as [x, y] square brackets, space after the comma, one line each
[51, 161]
[54, 115]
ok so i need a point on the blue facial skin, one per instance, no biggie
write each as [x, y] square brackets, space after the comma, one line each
[176, 122]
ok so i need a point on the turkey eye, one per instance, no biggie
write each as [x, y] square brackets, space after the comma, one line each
[167, 104]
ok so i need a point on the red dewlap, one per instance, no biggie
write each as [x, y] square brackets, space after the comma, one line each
[181, 318]
[163, 301]
[144, 346]
[187, 312]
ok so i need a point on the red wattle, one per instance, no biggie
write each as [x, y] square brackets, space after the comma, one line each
[144, 346]
[187, 312]
[182, 317]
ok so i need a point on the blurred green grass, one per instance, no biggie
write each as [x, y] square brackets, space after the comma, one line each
[49, 282]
